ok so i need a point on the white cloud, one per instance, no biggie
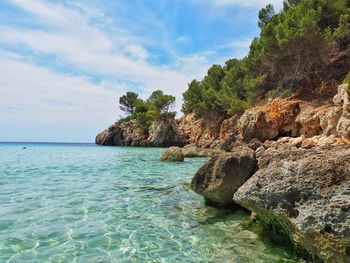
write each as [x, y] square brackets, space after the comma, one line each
[38, 95]
[70, 37]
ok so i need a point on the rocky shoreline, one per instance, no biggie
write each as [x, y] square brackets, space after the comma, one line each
[287, 161]
[303, 193]
[292, 121]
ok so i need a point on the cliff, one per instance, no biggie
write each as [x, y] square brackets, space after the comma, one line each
[294, 121]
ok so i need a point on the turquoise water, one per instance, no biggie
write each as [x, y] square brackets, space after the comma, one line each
[83, 203]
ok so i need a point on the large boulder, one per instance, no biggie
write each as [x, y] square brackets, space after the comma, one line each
[219, 178]
[173, 154]
[165, 133]
[305, 194]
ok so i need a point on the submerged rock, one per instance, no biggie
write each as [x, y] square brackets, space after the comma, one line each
[173, 154]
[306, 194]
[219, 178]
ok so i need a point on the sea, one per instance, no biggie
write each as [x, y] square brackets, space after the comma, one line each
[87, 203]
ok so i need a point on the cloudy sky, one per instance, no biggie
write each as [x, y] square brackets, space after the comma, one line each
[64, 64]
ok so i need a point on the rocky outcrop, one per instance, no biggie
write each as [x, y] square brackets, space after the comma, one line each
[276, 122]
[203, 132]
[223, 174]
[165, 133]
[269, 122]
[305, 194]
[173, 154]
[342, 99]
[123, 134]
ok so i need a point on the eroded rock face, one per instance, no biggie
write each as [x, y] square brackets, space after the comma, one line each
[124, 134]
[109, 137]
[165, 133]
[173, 154]
[219, 178]
[342, 99]
[307, 194]
[270, 121]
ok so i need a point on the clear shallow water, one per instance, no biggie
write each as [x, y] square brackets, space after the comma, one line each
[82, 203]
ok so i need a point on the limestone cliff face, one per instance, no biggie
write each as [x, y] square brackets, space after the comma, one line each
[291, 121]
[124, 134]
[165, 133]
[294, 121]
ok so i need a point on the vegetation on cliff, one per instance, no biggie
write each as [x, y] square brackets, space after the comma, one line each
[145, 112]
[293, 47]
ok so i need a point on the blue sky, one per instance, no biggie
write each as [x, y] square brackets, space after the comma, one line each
[64, 64]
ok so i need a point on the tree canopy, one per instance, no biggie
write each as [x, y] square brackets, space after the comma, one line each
[292, 45]
[145, 112]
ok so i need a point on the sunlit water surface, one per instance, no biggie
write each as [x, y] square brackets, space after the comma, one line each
[83, 203]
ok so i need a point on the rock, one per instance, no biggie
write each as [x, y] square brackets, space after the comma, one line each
[259, 151]
[191, 150]
[276, 119]
[131, 135]
[306, 194]
[342, 99]
[202, 132]
[254, 144]
[165, 133]
[219, 178]
[122, 134]
[110, 136]
[308, 143]
[228, 127]
[329, 120]
[173, 154]
[297, 142]
[310, 123]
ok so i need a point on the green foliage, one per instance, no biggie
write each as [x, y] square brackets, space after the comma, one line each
[265, 15]
[163, 103]
[292, 45]
[128, 102]
[157, 106]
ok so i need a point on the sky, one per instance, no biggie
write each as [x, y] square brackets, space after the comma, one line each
[64, 64]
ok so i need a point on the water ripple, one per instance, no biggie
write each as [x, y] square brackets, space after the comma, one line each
[95, 204]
